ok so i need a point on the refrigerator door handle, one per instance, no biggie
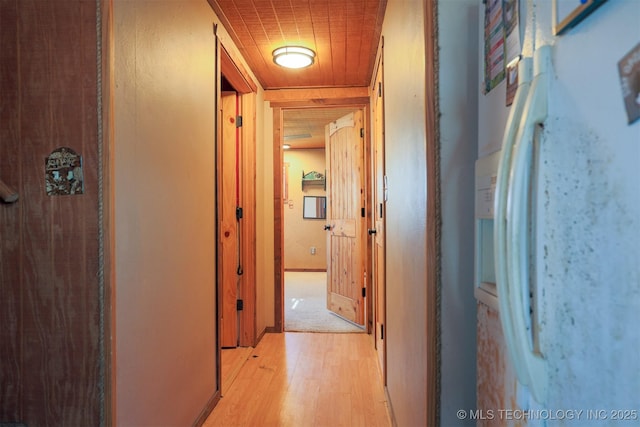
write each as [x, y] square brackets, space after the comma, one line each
[518, 237]
[500, 217]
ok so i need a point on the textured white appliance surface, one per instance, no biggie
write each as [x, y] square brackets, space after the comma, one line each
[587, 188]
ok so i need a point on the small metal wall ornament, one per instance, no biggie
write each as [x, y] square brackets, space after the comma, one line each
[63, 172]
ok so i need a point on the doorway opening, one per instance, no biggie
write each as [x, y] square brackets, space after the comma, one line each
[304, 234]
[306, 305]
[236, 218]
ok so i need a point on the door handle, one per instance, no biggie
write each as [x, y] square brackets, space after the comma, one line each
[327, 227]
[371, 231]
[534, 113]
[503, 265]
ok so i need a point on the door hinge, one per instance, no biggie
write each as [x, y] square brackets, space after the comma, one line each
[381, 211]
[238, 213]
[364, 292]
[238, 121]
[361, 132]
[381, 331]
[379, 89]
[239, 305]
[362, 212]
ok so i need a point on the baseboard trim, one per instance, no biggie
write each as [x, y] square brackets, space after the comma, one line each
[394, 423]
[213, 401]
[306, 270]
[267, 330]
[259, 337]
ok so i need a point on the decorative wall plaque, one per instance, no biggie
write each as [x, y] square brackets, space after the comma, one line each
[63, 172]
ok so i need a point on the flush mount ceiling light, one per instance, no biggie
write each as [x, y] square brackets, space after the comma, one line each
[293, 56]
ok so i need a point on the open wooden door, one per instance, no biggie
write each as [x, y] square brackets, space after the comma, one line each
[346, 224]
[228, 224]
[378, 208]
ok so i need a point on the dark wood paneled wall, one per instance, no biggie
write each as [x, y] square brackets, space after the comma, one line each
[49, 296]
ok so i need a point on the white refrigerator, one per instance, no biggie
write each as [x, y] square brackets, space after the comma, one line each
[558, 217]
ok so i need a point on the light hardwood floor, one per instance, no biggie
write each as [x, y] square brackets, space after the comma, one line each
[306, 379]
[233, 359]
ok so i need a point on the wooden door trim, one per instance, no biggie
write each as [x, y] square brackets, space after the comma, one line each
[236, 74]
[294, 101]
[377, 142]
[106, 267]
[226, 216]
[433, 212]
[248, 320]
[369, 320]
[317, 97]
[278, 218]
[245, 89]
[217, 78]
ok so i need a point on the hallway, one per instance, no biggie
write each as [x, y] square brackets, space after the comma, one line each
[306, 379]
[117, 290]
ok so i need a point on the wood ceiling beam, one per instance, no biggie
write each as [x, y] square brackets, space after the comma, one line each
[317, 97]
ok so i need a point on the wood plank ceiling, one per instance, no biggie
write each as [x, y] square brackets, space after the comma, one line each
[305, 127]
[343, 33]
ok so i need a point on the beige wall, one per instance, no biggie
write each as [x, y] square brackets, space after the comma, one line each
[301, 234]
[164, 219]
[404, 71]
[406, 275]
[264, 220]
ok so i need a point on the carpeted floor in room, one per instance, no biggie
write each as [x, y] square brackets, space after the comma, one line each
[306, 305]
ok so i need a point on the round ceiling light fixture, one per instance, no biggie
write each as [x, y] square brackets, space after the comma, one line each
[293, 56]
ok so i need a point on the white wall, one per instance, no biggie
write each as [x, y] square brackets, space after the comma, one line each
[457, 39]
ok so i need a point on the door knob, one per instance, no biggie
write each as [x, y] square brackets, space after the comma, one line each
[371, 231]
[327, 227]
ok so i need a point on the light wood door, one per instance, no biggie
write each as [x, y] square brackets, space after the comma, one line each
[228, 226]
[377, 233]
[345, 217]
